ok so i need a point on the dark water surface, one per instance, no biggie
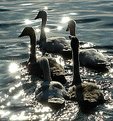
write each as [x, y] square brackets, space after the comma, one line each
[94, 24]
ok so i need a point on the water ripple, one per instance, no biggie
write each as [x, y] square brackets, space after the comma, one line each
[4, 9]
[88, 20]
[95, 24]
[108, 25]
[6, 25]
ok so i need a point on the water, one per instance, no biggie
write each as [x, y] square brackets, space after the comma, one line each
[94, 24]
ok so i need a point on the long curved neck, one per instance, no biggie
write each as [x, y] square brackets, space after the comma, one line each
[32, 57]
[46, 69]
[75, 57]
[72, 31]
[43, 34]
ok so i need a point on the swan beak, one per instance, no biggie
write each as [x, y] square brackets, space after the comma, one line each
[20, 35]
[36, 17]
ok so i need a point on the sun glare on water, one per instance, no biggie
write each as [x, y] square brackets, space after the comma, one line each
[46, 29]
[27, 21]
[45, 8]
[65, 19]
[13, 67]
[37, 30]
[59, 28]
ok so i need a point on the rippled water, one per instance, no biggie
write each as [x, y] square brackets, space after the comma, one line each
[94, 24]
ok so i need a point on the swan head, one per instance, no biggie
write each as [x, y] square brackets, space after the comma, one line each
[27, 31]
[41, 14]
[71, 27]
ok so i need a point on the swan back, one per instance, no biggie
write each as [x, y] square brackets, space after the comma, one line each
[53, 94]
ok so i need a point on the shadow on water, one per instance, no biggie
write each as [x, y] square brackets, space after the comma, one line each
[6, 25]
[14, 57]
[108, 25]
[4, 9]
[88, 20]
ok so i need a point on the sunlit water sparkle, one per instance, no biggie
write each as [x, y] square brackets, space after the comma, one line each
[13, 67]
[94, 24]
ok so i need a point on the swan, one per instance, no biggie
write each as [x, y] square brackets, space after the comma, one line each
[87, 94]
[56, 45]
[53, 44]
[33, 64]
[50, 92]
[90, 58]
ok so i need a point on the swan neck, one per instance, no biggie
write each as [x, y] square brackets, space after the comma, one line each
[46, 69]
[43, 34]
[32, 57]
[76, 73]
[44, 20]
[72, 31]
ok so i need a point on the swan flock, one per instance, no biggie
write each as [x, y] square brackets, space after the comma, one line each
[54, 90]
